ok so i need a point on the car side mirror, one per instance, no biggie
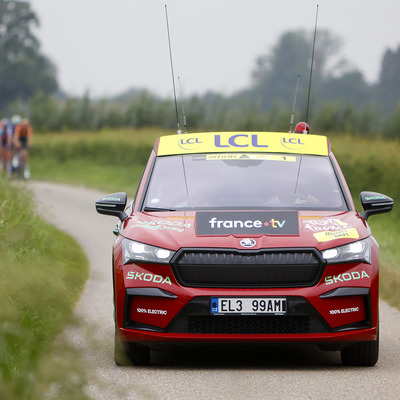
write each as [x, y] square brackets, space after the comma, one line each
[375, 203]
[113, 204]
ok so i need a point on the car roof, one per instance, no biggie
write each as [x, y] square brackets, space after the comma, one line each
[243, 142]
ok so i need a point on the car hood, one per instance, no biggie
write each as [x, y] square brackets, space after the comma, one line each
[228, 229]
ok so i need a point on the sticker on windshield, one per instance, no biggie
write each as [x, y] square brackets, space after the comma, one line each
[324, 224]
[256, 157]
[247, 222]
[160, 225]
[333, 235]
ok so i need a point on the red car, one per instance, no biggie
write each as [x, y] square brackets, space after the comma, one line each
[248, 237]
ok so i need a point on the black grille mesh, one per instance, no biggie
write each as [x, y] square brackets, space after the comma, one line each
[230, 268]
[225, 324]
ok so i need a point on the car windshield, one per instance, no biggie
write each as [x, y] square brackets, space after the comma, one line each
[243, 181]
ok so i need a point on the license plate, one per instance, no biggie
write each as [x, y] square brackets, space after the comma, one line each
[248, 305]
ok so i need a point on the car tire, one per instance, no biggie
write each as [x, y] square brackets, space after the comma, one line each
[361, 354]
[120, 356]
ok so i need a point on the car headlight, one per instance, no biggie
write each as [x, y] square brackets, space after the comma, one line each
[352, 252]
[139, 252]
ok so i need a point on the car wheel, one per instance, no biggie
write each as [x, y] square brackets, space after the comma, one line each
[361, 354]
[120, 356]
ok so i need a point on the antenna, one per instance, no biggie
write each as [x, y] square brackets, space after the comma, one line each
[183, 109]
[172, 72]
[294, 105]
[312, 63]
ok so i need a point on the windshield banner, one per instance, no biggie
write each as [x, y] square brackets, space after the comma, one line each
[211, 223]
[253, 142]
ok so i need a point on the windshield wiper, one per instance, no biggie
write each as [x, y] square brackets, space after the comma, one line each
[149, 209]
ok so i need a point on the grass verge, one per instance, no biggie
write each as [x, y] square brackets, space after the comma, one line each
[385, 229]
[42, 273]
[109, 160]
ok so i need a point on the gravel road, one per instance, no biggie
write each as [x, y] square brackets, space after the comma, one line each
[272, 372]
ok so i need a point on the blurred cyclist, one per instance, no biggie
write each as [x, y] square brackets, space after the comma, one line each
[23, 136]
[7, 144]
[3, 142]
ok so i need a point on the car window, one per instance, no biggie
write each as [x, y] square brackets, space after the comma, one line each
[244, 181]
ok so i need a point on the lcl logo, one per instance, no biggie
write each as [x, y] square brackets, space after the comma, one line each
[240, 140]
[292, 143]
[189, 144]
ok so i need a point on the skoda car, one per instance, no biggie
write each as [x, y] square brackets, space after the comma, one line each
[245, 237]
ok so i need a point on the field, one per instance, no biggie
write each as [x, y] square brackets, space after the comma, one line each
[105, 160]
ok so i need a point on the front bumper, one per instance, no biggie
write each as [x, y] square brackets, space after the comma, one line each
[152, 306]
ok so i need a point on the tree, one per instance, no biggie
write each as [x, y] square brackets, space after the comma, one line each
[389, 82]
[274, 78]
[392, 126]
[23, 69]
[350, 86]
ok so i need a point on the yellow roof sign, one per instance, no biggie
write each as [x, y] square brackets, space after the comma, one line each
[249, 142]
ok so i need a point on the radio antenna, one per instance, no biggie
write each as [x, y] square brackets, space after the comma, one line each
[183, 109]
[172, 72]
[312, 63]
[294, 104]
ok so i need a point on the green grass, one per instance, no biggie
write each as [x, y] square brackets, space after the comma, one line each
[42, 273]
[108, 179]
[109, 160]
[374, 164]
[386, 231]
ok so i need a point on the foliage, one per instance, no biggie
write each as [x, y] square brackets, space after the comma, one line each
[338, 116]
[341, 100]
[274, 79]
[211, 112]
[275, 75]
[42, 273]
[109, 160]
[23, 69]
[350, 86]
[391, 128]
[369, 164]
[389, 81]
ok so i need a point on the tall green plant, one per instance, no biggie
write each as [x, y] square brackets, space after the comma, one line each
[42, 273]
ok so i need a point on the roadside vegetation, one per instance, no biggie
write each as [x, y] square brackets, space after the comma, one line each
[42, 274]
[374, 164]
[113, 160]
[108, 160]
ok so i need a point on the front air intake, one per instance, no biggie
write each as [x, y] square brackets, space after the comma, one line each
[254, 269]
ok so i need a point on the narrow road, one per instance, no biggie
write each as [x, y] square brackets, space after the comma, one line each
[270, 372]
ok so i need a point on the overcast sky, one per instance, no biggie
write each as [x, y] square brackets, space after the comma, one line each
[109, 46]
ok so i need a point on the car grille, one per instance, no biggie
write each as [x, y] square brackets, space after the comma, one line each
[235, 268]
[237, 325]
